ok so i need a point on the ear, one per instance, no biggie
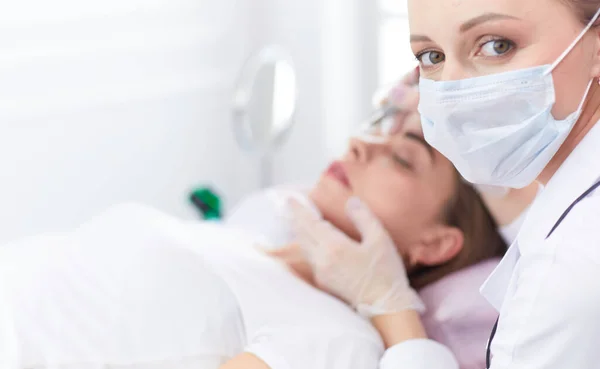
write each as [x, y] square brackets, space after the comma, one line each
[596, 60]
[437, 246]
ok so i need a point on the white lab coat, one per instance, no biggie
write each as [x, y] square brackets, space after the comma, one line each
[547, 291]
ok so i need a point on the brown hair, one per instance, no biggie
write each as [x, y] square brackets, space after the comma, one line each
[584, 9]
[467, 212]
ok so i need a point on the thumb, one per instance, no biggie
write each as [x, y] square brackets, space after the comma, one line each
[364, 220]
[405, 98]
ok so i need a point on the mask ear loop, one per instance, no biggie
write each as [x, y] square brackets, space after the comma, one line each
[568, 50]
[587, 91]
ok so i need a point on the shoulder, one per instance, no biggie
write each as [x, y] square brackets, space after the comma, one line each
[552, 302]
[571, 258]
[560, 278]
[579, 235]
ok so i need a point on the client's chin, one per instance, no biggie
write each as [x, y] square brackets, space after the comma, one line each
[330, 197]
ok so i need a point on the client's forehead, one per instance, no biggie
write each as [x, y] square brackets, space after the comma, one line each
[411, 125]
[404, 124]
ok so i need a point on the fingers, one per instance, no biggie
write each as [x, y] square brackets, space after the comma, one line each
[281, 251]
[264, 249]
[405, 94]
[314, 235]
[407, 101]
[308, 223]
[300, 212]
[303, 222]
[364, 220]
[412, 78]
[396, 94]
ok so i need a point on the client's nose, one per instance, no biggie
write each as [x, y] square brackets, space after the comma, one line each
[360, 151]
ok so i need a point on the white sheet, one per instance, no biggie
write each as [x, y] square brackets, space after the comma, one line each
[137, 289]
[117, 293]
[264, 214]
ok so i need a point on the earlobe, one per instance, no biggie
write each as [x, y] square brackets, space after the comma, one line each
[596, 63]
[438, 246]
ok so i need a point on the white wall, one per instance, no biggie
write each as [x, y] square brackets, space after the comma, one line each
[129, 101]
[333, 43]
[349, 67]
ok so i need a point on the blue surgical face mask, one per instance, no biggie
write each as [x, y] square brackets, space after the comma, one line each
[497, 129]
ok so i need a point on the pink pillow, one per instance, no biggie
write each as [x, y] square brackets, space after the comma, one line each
[458, 316]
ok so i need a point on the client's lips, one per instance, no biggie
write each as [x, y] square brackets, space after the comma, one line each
[337, 171]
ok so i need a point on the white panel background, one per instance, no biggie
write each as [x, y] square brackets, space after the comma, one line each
[128, 100]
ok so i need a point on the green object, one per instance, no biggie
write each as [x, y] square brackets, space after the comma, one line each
[207, 202]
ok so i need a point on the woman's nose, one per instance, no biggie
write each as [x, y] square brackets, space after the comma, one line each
[359, 150]
[454, 71]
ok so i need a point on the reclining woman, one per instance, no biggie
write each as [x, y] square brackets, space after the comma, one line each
[437, 222]
[135, 288]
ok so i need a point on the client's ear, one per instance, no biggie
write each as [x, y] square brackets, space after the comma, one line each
[438, 245]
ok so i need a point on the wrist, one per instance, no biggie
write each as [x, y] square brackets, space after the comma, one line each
[398, 327]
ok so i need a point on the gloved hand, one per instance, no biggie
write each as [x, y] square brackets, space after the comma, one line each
[404, 97]
[369, 275]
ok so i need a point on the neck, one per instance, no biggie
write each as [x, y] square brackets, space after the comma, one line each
[589, 116]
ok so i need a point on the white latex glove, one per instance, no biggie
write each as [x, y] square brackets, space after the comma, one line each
[370, 275]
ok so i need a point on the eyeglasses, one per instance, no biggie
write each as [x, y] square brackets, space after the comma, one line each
[380, 123]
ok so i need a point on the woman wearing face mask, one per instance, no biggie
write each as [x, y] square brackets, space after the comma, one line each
[509, 93]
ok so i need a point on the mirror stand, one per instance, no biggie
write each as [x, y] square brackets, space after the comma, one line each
[264, 106]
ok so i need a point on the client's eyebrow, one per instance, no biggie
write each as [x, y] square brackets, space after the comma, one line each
[415, 137]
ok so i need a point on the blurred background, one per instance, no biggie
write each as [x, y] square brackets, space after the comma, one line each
[103, 102]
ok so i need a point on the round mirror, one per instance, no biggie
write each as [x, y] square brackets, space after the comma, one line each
[265, 100]
[264, 104]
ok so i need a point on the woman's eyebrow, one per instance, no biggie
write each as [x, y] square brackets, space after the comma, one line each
[486, 17]
[415, 137]
[419, 38]
[473, 22]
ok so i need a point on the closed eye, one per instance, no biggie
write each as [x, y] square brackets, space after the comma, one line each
[401, 161]
[421, 141]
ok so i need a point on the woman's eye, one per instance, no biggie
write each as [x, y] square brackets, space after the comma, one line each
[429, 58]
[496, 47]
[401, 161]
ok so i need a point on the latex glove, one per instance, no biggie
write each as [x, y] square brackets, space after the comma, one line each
[405, 93]
[369, 275]
[404, 97]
